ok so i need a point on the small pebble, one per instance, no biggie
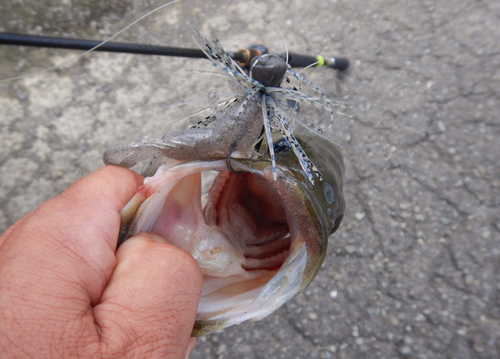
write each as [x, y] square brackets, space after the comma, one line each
[222, 349]
[355, 331]
[404, 205]
[334, 294]
[419, 217]
[407, 340]
[359, 216]
[441, 126]
[350, 249]
[405, 350]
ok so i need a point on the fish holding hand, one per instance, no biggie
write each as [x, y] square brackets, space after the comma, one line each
[261, 234]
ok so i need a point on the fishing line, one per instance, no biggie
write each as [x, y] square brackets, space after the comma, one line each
[192, 115]
[92, 49]
[273, 25]
[307, 67]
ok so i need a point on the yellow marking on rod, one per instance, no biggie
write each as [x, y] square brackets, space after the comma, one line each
[321, 60]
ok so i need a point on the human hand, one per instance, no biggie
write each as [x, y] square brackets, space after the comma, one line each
[64, 292]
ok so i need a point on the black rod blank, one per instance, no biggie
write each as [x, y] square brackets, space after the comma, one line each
[295, 60]
[81, 44]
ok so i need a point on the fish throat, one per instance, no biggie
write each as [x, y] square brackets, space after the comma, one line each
[250, 212]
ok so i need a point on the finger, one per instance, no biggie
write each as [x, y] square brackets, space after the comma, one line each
[149, 306]
[102, 194]
[72, 238]
[8, 232]
[191, 344]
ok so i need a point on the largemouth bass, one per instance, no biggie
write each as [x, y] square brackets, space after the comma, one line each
[258, 240]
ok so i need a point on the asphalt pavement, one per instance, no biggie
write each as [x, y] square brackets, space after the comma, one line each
[414, 270]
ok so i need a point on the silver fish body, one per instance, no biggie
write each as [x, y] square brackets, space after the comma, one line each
[259, 241]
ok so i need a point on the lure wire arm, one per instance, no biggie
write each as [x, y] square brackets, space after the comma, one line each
[243, 57]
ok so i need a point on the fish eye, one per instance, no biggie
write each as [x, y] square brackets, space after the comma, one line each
[329, 193]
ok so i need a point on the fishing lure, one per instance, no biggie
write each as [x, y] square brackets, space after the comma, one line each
[258, 107]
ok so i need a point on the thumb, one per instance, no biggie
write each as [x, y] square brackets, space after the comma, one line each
[149, 305]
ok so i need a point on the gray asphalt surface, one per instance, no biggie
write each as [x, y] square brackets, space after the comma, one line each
[414, 271]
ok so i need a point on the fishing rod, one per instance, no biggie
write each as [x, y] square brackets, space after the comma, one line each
[243, 56]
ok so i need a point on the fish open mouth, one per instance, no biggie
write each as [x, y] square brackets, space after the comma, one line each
[245, 238]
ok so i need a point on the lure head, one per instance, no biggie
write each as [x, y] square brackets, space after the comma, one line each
[268, 69]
